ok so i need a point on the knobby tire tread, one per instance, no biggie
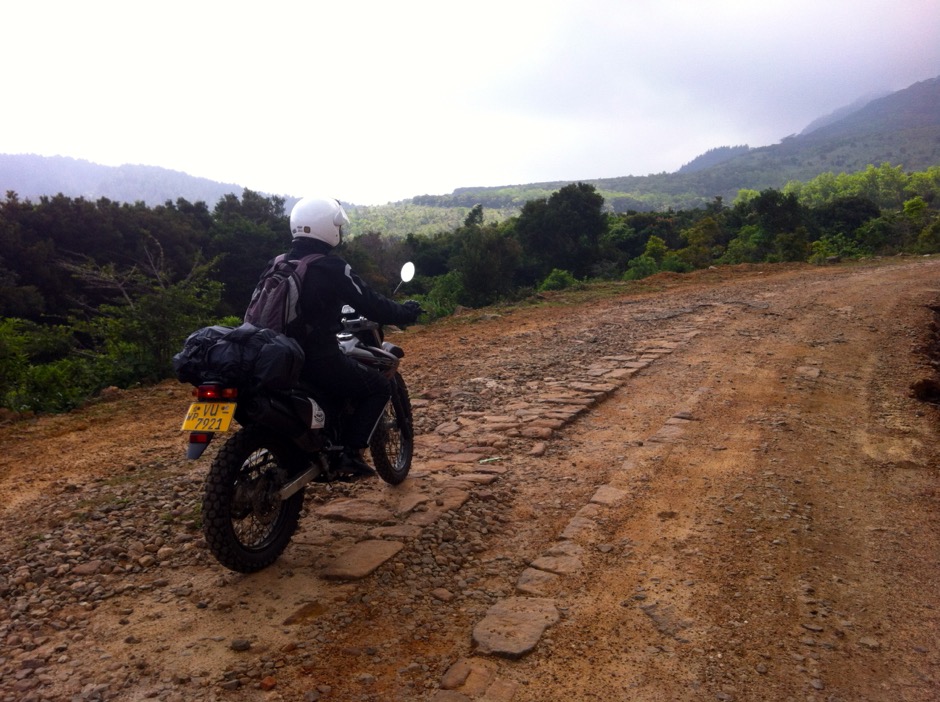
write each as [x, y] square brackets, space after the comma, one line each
[401, 405]
[218, 499]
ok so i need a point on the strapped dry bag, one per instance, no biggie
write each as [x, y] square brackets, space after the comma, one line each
[245, 357]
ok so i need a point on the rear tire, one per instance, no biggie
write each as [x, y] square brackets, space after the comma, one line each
[246, 523]
[392, 443]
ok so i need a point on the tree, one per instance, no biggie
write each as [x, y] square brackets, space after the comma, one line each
[701, 239]
[563, 231]
[13, 358]
[486, 263]
[916, 212]
[149, 315]
[665, 225]
[844, 214]
[431, 254]
[39, 240]
[884, 185]
[792, 246]
[776, 212]
[621, 239]
[750, 245]
[928, 241]
[655, 250]
[880, 235]
[474, 217]
[245, 235]
[926, 184]
[242, 248]
[254, 207]
[378, 259]
[18, 297]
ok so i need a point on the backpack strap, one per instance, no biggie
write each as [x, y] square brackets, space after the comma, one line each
[272, 264]
[306, 261]
[310, 258]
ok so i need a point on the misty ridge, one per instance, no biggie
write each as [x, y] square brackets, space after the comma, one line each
[98, 292]
[900, 128]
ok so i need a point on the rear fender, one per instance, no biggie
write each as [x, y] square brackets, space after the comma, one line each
[198, 443]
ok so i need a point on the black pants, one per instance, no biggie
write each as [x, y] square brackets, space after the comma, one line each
[340, 377]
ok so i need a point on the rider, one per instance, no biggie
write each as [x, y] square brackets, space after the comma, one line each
[316, 226]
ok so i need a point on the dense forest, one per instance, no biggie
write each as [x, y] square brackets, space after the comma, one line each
[98, 294]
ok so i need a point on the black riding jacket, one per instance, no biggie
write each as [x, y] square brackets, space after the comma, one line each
[328, 285]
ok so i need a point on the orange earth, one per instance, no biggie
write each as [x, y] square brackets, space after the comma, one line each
[713, 486]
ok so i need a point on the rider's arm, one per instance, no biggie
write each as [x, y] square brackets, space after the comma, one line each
[354, 291]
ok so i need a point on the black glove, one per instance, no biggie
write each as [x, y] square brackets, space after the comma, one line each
[414, 308]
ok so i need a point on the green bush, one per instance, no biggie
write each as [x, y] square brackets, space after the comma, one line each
[641, 267]
[13, 358]
[834, 245]
[928, 241]
[25, 349]
[673, 263]
[559, 280]
[441, 299]
[58, 386]
[130, 341]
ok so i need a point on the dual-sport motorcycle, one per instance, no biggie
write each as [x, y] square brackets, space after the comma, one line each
[254, 490]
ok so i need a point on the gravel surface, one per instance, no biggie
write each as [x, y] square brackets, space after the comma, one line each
[705, 487]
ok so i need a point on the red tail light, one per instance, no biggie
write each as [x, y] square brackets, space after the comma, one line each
[198, 437]
[215, 392]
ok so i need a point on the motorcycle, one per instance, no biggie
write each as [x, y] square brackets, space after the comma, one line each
[254, 491]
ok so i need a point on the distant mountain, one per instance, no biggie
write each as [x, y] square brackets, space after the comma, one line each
[900, 120]
[902, 128]
[31, 176]
[713, 157]
[841, 113]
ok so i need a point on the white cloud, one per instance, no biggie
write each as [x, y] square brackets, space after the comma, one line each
[377, 101]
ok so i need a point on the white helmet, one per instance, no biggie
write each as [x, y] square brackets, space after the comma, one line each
[320, 218]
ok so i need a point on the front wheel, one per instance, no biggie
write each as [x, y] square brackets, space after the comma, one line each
[392, 442]
[246, 523]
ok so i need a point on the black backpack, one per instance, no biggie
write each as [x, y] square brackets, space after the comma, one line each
[275, 302]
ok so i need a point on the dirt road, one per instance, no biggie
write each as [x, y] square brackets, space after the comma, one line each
[710, 487]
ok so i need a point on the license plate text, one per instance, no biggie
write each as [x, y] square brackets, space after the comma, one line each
[209, 416]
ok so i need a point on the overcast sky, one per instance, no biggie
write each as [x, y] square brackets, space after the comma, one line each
[373, 102]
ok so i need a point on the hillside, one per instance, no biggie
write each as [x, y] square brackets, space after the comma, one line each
[31, 176]
[841, 113]
[902, 128]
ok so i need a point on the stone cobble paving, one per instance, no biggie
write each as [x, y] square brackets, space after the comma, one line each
[513, 626]
[111, 540]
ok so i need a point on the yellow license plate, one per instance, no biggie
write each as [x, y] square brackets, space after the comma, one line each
[209, 416]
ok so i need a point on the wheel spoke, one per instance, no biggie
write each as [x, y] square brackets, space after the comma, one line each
[391, 445]
[246, 523]
[257, 499]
